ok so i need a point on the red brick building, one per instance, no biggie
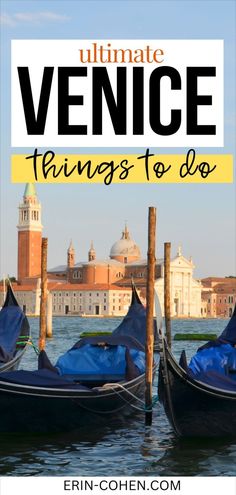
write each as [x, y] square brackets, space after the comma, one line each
[218, 296]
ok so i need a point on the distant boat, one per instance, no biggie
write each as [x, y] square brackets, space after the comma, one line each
[14, 333]
[99, 377]
[200, 398]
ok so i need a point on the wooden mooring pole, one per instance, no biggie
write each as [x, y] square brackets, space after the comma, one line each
[167, 247]
[149, 318]
[49, 316]
[43, 301]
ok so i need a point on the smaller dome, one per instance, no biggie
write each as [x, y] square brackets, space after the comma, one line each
[125, 249]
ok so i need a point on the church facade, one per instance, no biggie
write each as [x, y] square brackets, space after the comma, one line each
[184, 289]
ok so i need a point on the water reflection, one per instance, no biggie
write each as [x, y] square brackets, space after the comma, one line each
[193, 458]
[121, 447]
[169, 456]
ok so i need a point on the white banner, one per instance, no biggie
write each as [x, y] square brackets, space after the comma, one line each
[118, 485]
[117, 93]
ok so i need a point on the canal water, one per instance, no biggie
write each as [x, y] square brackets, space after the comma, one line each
[119, 446]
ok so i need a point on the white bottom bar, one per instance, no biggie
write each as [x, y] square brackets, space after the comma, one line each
[117, 485]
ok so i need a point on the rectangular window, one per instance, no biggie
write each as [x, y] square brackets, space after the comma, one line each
[90, 307]
[104, 307]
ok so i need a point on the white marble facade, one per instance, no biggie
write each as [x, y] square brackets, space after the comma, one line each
[185, 290]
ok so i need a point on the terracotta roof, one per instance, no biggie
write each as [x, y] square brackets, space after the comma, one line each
[60, 286]
[84, 287]
[218, 280]
[31, 287]
[20, 288]
[225, 288]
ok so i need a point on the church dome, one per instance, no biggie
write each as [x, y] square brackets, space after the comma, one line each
[125, 250]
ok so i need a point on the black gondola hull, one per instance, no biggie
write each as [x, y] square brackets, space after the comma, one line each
[39, 410]
[194, 409]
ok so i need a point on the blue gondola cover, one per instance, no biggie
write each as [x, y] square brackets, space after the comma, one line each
[11, 318]
[221, 359]
[106, 362]
[215, 366]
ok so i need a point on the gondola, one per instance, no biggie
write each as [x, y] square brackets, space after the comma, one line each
[78, 389]
[200, 398]
[14, 333]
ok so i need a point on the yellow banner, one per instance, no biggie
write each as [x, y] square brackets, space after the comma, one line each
[109, 169]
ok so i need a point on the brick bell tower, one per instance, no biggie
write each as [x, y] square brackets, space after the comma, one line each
[29, 235]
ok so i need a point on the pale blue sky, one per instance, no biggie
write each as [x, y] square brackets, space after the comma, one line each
[199, 217]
